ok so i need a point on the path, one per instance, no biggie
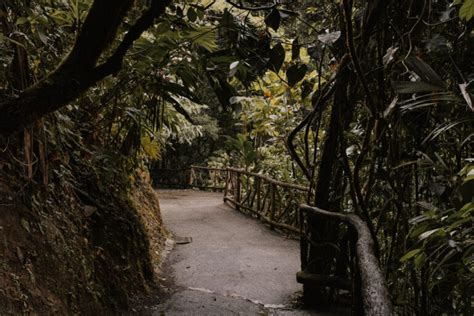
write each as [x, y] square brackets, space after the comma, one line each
[233, 266]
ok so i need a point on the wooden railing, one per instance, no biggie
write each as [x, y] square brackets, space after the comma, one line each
[273, 202]
[369, 291]
[192, 177]
[279, 205]
[207, 178]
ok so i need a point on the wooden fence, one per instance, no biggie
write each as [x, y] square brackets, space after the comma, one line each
[367, 283]
[273, 202]
[280, 205]
[192, 177]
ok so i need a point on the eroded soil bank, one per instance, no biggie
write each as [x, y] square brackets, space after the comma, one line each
[76, 255]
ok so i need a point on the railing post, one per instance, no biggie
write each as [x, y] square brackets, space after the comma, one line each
[237, 191]
[214, 179]
[191, 176]
[259, 202]
[273, 202]
[226, 185]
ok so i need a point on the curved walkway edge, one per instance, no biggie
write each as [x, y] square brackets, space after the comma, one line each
[230, 265]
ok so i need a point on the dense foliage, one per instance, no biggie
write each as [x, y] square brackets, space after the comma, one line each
[379, 120]
[368, 102]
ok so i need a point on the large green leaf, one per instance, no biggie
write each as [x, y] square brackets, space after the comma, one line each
[192, 15]
[277, 57]
[295, 49]
[426, 73]
[409, 87]
[466, 12]
[233, 68]
[273, 19]
[410, 254]
[205, 37]
[329, 38]
[296, 73]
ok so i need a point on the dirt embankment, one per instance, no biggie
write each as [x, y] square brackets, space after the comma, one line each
[69, 255]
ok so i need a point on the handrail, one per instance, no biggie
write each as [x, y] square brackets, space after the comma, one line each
[273, 202]
[376, 298]
[279, 205]
[271, 180]
[207, 168]
[193, 176]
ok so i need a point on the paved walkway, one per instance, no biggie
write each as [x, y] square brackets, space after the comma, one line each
[233, 266]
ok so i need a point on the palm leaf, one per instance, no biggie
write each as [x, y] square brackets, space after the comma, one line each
[443, 128]
[428, 100]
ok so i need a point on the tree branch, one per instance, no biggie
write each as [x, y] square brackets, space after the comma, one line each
[114, 62]
[78, 72]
